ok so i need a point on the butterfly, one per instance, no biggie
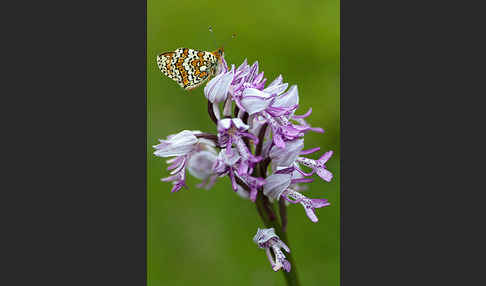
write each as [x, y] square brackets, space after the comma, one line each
[190, 68]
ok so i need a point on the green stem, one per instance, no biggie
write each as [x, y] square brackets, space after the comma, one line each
[290, 277]
[267, 211]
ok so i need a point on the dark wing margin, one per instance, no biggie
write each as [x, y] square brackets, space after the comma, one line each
[165, 65]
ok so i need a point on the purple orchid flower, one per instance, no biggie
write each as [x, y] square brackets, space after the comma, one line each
[276, 108]
[254, 183]
[231, 131]
[226, 164]
[267, 239]
[182, 146]
[278, 185]
[233, 165]
[317, 166]
[247, 77]
[272, 104]
[178, 144]
[290, 157]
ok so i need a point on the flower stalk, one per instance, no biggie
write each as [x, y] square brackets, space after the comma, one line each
[291, 277]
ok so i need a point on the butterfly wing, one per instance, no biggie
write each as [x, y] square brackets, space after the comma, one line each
[202, 65]
[164, 62]
[189, 68]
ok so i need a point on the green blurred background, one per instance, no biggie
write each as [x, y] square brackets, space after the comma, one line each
[199, 237]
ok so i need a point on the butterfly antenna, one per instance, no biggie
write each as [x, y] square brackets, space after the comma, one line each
[211, 31]
[226, 42]
[210, 28]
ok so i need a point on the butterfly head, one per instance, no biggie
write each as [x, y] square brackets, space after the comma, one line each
[219, 53]
[218, 65]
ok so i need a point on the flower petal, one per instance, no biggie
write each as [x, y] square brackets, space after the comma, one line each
[286, 157]
[263, 235]
[243, 66]
[276, 89]
[288, 99]
[253, 72]
[240, 124]
[254, 100]
[276, 184]
[176, 145]
[217, 89]
[224, 124]
[276, 81]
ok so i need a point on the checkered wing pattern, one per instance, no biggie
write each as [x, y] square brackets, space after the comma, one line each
[189, 68]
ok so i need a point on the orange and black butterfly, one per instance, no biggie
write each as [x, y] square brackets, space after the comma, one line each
[189, 68]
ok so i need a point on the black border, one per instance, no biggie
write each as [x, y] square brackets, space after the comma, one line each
[79, 152]
[405, 186]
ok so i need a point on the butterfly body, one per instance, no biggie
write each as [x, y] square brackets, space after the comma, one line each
[189, 68]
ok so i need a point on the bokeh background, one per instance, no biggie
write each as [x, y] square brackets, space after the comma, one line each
[199, 237]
